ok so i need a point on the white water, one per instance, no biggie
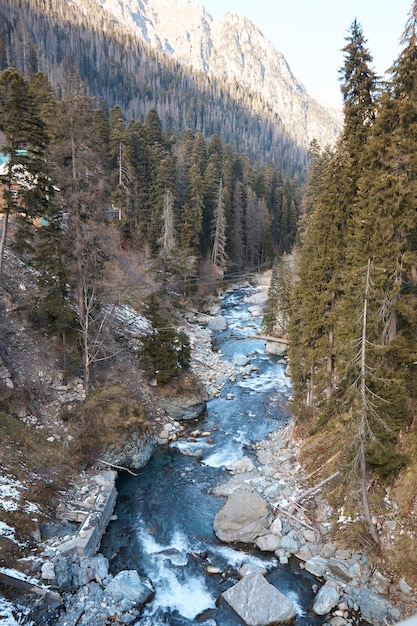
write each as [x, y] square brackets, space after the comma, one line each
[175, 588]
[171, 509]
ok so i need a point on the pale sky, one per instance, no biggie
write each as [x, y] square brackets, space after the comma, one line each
[311, 33]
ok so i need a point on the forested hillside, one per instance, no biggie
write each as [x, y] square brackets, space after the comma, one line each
[197, 209]
[353, 341]
[121, 69]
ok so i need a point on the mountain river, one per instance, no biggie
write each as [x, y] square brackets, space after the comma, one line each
[164, 526]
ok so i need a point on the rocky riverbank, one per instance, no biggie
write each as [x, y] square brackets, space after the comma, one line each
[268, 506]
[271, 505]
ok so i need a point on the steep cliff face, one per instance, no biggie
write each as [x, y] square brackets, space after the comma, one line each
[234, 49]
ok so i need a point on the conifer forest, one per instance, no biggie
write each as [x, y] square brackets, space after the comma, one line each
[130, 150]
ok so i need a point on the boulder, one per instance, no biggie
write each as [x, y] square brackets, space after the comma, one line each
[185, 406]
[249, 568]
[217, 323]
[243, 517]
[374, 608]
[240, 359]
[327, 598]
[290, 544]
[48, 572]
[241, 466]
[268, 543]
[258, 603]
[133, 452]
[316, 566]
[128, 587]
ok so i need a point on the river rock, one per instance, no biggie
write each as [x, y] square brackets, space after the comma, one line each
[276, 526]
[250, 568]
[268, 543]
[48, 572]
[374, 608]
[128, 587]
[316, 566]
[217, 323]
[344, 570]
[241, 465]
[290, 544]
[243, 517]
[240, 359]
[327, 598]
[380, 584]
[133, 452]
[258, 298]
[258, 603]
[94, 568]
[184, 406]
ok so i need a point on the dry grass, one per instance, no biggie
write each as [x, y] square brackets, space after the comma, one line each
[105, 418]
[324, 451]
[183, 385]
[41, 469]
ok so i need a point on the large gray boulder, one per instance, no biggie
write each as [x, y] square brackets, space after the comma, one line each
[258, 603]
[187, 405]
[129, 588]
[217, 323]
[327, 598]
[243, 517]
[133, 451]
[317, 566]
[375, 609]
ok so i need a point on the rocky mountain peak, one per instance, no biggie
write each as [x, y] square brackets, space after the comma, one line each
[231, 48]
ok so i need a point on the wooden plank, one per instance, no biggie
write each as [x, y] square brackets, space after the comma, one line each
[29, 587]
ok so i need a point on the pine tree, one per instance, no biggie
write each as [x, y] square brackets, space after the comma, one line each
[81, 174]
[276, 315]
[122, 176]
[317, 294]
[164, 352]
[238, 226]
[168, 239]
[359, 84]
[27, 169]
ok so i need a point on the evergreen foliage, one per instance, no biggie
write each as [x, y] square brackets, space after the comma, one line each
[183, 200]
[121, 70]
[164, 352]
[27, 187]
[359, 212]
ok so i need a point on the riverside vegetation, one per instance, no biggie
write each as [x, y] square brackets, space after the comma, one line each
[109, 213]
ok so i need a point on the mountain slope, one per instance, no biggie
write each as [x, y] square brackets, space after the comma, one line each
[233, 49]
[119, 68]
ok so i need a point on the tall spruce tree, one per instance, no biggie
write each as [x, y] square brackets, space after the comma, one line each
[164, 352]
[359, 84]
[384, 230]
[27, 182]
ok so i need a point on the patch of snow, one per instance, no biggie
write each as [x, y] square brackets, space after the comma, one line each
[9, 497]
[11, 615]
[16, 574]
[31, 507]
[10, 491]
[8, 532]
